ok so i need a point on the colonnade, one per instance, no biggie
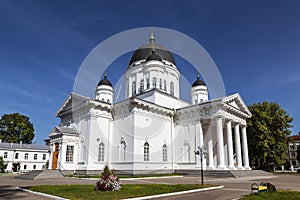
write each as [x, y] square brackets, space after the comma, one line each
[219, 135]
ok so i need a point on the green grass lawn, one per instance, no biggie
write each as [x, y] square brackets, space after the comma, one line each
[76, 192]
[124, 176]
[279, 195]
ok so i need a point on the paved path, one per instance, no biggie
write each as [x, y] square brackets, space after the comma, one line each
[234, 187]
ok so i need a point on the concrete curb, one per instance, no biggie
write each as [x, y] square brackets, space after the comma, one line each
[176, 193]
[42, 194]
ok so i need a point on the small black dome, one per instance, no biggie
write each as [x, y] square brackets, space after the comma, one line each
[198, 82]
[105, 81]
[153, 56]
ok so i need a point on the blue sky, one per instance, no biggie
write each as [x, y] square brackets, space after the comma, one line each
[255, 44]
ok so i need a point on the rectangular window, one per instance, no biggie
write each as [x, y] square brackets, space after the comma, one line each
[165, 153]
[5, 155]
[148, 83]
[69, 153]
[101, 152]
[25, 166]
[44, 156]
[35, 157]
[291, 145]
[160, 84]
[172, 88]
[142, 86]
[16, 155]
[154, 82]
[26, 157]
[146, 151]
[293, 155]
[34, 166]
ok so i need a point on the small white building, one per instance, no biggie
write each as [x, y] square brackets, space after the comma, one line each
[24, 157]
[152, 130]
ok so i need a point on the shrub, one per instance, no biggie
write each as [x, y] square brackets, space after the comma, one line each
[108, 181]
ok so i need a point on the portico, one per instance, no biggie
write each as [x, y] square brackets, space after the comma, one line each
[222, 132]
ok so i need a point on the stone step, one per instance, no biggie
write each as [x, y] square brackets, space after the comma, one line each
[250, 173]
[41, 174]
[206, 173]
[225, 173]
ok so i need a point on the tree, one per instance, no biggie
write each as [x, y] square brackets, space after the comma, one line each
[268, 131]
[3, 165]
[15, 128]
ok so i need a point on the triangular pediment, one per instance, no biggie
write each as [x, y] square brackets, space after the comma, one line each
[63, 130]
[236, 102]
[72, 100]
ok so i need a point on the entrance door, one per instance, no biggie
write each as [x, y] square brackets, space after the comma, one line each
[55, 156]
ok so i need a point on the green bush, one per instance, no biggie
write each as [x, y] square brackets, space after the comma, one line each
[108, 181]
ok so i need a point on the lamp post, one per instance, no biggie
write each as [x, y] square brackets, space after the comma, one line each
[201, 152]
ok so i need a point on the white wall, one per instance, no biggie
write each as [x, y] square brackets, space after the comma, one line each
[30, 162]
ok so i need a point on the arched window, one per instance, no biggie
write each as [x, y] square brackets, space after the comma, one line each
[148, 83]
[101, 152]
[165, 85]
[160, 84]
[165, 153]
[154, 82]
[146, 151]
[172, 88]
[142, 85]
[133, 88]
[122, 150]
[108, 101]
[186, 152]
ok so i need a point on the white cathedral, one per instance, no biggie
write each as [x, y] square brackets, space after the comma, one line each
[152, 130]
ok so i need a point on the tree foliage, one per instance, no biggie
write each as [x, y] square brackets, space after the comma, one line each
[15, 128]
[268, 131]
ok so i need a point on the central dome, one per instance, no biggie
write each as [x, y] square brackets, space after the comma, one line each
[145, 51]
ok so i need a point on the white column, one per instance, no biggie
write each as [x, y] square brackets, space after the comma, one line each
[200, 134]
[238, 146]
[245, 148]
[230, 146]
[51, 155]
[220, 144]
[197, 143]
[199, 140]
[210, 149]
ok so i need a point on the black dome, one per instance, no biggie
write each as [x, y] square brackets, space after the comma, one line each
[153, 56]
[105, 81]
[146, 50]
[198, 82]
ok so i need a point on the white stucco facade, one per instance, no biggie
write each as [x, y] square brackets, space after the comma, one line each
[152, 130]
[24, 157]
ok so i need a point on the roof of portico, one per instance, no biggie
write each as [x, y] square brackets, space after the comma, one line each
[60, 130]
[232, 104]
[74, 100]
